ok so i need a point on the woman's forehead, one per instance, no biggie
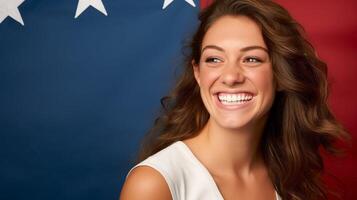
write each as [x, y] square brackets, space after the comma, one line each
[234, 31]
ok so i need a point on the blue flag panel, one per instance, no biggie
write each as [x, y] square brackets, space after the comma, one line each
[78, 94]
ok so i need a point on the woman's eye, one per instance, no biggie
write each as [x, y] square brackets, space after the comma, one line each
[212, 60]
[252, 60]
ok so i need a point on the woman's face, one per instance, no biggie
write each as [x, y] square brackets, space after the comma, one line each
[235, 74]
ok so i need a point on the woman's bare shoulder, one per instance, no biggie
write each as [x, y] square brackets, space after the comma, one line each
[145, 183]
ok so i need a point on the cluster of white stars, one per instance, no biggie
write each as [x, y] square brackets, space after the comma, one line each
[9, 8]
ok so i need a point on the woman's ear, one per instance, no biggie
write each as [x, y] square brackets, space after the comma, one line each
[196, 71]
[278, 87]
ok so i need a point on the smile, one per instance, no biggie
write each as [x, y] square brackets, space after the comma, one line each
[234, 99]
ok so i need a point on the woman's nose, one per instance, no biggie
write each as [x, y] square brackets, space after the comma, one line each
[232, 75]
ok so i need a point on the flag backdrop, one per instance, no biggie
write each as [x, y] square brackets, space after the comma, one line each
[79, 86]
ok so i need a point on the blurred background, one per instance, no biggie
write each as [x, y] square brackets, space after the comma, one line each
[78, 94]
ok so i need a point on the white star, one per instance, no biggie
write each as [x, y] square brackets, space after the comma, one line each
[84, 4]
[9, 8]
[168, 2]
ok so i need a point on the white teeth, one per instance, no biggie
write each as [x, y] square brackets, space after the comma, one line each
[235, 98]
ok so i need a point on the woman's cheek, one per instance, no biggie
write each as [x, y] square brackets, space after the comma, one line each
[209, 76]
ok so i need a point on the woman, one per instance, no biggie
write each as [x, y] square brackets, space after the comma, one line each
[248, 116]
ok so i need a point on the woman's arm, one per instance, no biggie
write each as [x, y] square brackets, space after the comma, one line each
[145, 183]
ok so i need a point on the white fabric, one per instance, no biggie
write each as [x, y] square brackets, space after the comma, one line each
[185, 175]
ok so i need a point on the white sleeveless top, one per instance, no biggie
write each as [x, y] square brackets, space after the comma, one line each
[185, 175]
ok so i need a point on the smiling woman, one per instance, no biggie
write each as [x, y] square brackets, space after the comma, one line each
[235, 74]
[246, 119]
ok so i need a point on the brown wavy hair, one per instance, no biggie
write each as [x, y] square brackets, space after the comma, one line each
[300, 123]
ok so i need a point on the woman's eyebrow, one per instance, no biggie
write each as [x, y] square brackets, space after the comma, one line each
[212, 47]
[248, 48]
[244, 49]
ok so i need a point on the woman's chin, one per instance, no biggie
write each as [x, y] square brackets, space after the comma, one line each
[232, 124]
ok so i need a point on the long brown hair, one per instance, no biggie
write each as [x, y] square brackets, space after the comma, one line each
[300, 123]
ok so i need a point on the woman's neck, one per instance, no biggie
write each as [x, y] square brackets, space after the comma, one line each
[231, 152]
